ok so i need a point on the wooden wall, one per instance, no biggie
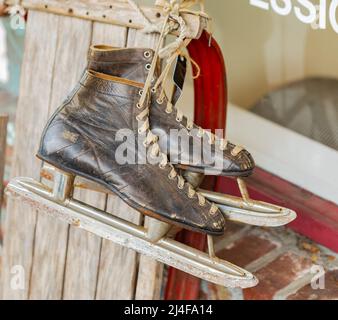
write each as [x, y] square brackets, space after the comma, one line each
[60, 261]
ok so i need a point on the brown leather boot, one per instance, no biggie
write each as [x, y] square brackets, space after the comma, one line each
[213, 156]
[81, 138]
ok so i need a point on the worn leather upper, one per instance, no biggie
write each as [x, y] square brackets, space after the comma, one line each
[80, 138]
[132, 63]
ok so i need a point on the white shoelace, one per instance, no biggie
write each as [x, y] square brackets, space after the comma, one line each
[171, 52]
[172, 11]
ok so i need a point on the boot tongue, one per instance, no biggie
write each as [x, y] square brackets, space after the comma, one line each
[129, 63]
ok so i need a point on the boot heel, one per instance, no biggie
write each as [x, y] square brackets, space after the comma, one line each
[63, 185]
[156, 229]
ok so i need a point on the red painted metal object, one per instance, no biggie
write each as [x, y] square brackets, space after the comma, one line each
[210, 112]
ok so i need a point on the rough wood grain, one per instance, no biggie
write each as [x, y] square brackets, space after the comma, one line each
[150, 277]
[32, 114]
[51, 237]
[3, 134]
[117, 12]
[79, 254]
[63, 262]
[83, 255]
[150, 272]
[118, 266]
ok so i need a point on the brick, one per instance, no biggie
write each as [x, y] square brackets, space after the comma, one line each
[246, 250]
[230, 229]
[329, 293]
[277, 275]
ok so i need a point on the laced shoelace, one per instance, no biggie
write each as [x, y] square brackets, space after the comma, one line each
[212, 139]
[151, 140]
[172, 52]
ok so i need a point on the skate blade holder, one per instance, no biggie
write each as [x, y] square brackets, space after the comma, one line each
[249, 211]
[237, 209]
[153, 240]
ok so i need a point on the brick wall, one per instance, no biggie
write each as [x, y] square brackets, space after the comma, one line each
[286, 264]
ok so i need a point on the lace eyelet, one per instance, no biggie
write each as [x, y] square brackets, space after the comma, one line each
[201, 204]
[160, 101]
[140, 131]
[180, 187]
[168, 111]
[170, 177]
[138, 106]
[140, 92]
[153, 90]
[148, 66]
[147, 54]
[179, 119]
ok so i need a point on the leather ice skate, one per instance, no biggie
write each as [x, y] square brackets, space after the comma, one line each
[211, 155]
[81, 139]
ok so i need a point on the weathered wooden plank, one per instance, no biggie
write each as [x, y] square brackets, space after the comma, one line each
[83, 255]
[110, 35]
[3, 134]
[47, 276]
[117, 12]
[139, 39]
[149, 278]
[32, 114]
[48, 262]
[118, 266]
[74, 37]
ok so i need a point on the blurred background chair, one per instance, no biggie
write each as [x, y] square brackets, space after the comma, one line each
[309, 107]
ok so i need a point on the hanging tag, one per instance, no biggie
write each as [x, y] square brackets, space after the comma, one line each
[180, 71]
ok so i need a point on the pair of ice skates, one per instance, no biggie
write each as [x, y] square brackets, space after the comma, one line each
[83, 139]
[122, 91]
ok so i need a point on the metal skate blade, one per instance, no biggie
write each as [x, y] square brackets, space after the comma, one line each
[253, 212]
[119, 231]
[235, 209]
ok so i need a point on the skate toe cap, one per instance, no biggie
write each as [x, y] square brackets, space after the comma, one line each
[215, 224]
[243, 164]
